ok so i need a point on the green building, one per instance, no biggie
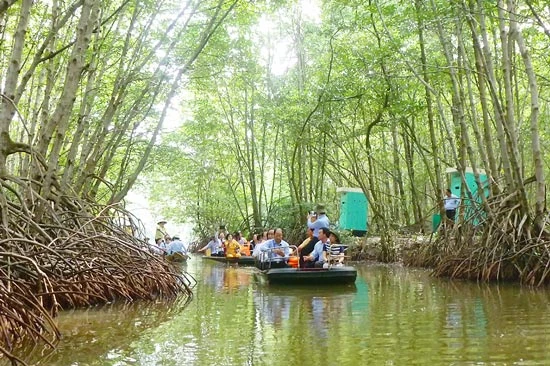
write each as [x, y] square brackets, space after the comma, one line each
[353, 210]
[470, 203]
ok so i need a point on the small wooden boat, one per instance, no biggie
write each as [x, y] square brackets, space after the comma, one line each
[311, 276]
[177, 257]
[244, 260]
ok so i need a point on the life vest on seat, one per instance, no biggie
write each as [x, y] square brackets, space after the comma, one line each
[245, 249]
[293, 261]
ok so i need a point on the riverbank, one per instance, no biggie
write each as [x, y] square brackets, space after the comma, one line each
[401, 249]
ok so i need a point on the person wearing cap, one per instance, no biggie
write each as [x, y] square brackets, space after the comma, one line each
[176, 246]
[317, 220]
[161, 232]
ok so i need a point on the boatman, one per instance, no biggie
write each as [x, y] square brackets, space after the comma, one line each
[317, 220]
[161, 232]
[275, 251]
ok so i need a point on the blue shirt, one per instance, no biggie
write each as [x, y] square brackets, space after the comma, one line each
[318, 250]
[271, 244]
[322, 221]
[215, 246]
[176, 246]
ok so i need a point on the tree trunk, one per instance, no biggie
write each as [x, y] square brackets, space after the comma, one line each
[535, 137]
[429, 102]
[58, 124]
[7, 106]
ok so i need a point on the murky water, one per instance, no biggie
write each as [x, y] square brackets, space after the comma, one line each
[392, 316]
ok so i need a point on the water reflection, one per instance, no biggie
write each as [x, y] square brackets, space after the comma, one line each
[105, 329]
[391, 315]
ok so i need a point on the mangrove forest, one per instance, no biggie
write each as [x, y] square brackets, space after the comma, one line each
[248, 114]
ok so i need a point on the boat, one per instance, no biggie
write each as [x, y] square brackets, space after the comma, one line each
[334, 272]
[311, 276]
[244, 260]
[177, 257]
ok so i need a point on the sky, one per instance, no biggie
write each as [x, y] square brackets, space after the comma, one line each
[138, 204]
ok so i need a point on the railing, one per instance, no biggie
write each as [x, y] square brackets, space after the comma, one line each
[266, 256]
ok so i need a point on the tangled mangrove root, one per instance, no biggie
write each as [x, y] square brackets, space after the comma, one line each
[506, 244]
[64, 253]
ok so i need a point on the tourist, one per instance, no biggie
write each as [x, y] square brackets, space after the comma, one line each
[335, 252]
[306, 247]
[176, 246]
[215, 247]
[318, 257]
[232, 247]
[275, 251]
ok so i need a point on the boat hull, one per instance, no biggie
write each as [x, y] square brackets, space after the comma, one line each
[177, 257]
[243, 260]
[311, 276]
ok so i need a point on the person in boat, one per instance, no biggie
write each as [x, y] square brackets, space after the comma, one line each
[317, 220]
[221, 239]
[306, 247]
[245, 247]
[232, 247]
[176, 246]
[335, 252]
[167, 241]
[161, 232]
[215, 247]
[240, 238]
[258, 248]
[318, 257]
[159, 247]
[275, 251]
[253, 242]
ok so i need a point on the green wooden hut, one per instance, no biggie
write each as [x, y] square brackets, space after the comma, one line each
[353, 210]
[469, 203]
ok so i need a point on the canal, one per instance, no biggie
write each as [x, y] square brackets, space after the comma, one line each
[391, 316]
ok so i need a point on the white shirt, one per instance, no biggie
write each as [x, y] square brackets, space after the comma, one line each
[452, 202]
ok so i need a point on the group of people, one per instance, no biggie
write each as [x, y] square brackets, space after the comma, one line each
[319, 248]
[272, 251]
[166, 244]
[232, 246]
